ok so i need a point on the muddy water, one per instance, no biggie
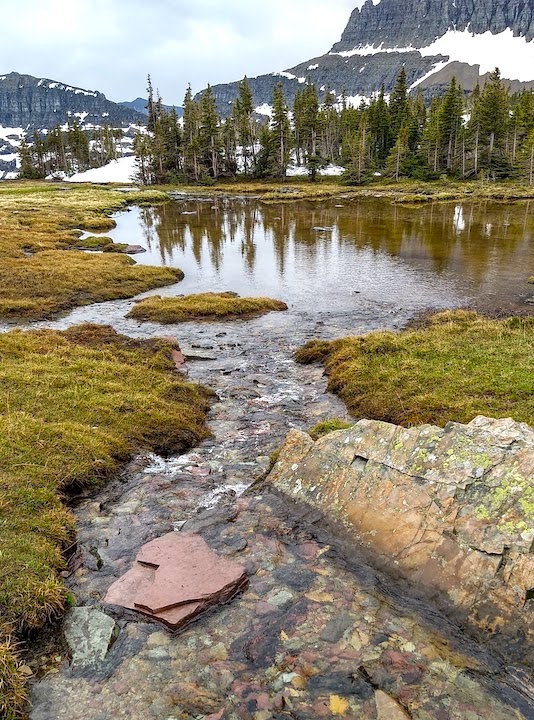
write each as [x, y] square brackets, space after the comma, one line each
[318, 632]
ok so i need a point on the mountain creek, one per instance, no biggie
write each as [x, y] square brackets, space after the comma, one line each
[319, 632]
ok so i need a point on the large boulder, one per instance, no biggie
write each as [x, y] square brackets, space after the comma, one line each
[450, 509]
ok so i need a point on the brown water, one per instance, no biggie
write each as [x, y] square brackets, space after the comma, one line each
[330, 257]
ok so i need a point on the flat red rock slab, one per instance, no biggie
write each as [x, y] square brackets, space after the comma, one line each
[175, 578]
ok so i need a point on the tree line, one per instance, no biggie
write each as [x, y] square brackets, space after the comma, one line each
[487, 133]
[68, 149]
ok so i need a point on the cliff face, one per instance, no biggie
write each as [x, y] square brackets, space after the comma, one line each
[37, 103]
[433, 39]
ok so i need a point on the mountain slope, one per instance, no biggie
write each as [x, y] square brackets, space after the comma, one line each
[38, 103]
[433, 39]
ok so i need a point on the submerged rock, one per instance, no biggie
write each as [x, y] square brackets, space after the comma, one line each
[90, 634]
[175, 578]
[450, 509]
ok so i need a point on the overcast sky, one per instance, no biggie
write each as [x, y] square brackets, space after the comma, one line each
[111, 45]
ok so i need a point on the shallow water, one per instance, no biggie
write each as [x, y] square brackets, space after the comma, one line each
[323, 257]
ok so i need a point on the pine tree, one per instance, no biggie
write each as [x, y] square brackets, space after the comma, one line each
[398, 104]
[191, 136]
[246, 124]
[281, 132]
[209, 137]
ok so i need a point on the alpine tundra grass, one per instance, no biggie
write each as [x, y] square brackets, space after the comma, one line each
[74, 406]
[204, 306]
[41, 273]
[454, 366]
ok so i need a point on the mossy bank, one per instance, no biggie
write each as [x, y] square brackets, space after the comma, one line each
[453, 366]
[203, 306]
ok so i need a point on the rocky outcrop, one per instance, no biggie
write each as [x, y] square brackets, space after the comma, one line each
[403, 23]
[37, 103]
[451, 509]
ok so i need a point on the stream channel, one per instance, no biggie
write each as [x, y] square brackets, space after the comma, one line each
[318, 633]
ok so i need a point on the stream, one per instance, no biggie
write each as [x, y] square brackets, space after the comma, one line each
[318, 633]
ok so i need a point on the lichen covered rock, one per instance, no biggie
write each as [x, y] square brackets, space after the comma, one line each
[450, 509]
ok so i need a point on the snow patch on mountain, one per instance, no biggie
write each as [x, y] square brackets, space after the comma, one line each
[512, 54]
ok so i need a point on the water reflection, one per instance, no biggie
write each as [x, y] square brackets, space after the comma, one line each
[323, 255]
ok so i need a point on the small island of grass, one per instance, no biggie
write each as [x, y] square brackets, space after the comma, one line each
[203, 306]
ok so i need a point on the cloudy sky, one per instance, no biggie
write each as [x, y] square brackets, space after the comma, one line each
[111, 45]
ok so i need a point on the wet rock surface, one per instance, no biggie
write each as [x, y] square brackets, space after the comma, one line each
[317, 633]
[280, 649]
[450, 509]
[176, 578]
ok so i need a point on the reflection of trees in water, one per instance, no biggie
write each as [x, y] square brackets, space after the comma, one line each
[475, 238]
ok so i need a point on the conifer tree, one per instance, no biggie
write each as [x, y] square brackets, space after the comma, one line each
[398, 103]
[281, 132]
[209, 137]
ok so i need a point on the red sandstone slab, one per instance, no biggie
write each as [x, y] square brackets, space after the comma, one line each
[188, 571]
[169, 570]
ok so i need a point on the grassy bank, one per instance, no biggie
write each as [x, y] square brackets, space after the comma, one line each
[204, 306]
[73, 407]
[39, 222]
[406, 191]
[454, 366]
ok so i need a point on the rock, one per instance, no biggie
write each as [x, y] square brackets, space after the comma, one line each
[134, 250]
[451, 509]
[387, 708]
[175, 578]
[89, 633]
[336, 628]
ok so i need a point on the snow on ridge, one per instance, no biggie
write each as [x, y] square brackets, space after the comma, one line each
[313, 67]
[512, 54]
[436, 68]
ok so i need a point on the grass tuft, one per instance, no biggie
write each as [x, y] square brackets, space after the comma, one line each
[204, 306]
[454, 366]
[325, 427]
[74, 406]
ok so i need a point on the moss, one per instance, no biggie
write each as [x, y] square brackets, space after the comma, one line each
[95, 242]
[43, 220]
[328, 426]
[74, 406]
[204, 306]
[453, 366]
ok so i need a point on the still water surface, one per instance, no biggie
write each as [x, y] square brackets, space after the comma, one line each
[330, 257]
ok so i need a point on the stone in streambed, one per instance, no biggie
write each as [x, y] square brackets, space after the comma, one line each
[387, 708]
[90, 634]
[175, 578]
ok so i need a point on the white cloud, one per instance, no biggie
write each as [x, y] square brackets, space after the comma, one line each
[111, 45]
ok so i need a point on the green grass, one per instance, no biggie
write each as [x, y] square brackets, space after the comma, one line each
[454, 366]
[38, 223]
[405, 191]
[325, 427]
[204, 306]
[74, 406]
